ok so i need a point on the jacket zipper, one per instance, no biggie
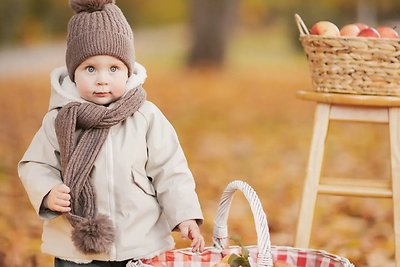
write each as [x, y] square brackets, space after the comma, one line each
[110, 176]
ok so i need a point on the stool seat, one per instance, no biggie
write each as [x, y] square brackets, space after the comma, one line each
[349, 99]
[353, 108]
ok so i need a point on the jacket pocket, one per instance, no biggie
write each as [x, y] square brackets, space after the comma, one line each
[143, 183]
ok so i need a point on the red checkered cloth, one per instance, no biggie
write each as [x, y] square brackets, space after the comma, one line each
[211, 256]
[308, 257]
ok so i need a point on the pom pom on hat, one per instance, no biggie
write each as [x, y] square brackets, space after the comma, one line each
[93, 235]
[89, 5]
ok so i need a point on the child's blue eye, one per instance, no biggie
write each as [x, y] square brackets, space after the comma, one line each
[113, 69]
[90, 69]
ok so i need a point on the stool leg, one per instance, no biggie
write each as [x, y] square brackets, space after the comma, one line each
[310, 190]
[394, 131]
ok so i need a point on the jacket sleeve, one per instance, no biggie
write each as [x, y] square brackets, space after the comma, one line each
[168, 168]
[39, 169]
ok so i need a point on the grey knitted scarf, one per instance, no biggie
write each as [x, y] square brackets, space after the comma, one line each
[92, 233]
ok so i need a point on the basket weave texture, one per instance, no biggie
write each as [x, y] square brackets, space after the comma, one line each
[352, 65]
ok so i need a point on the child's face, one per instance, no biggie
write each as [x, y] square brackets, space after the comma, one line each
[101, 79]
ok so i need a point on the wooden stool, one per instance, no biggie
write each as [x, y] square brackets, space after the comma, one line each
[358, 108]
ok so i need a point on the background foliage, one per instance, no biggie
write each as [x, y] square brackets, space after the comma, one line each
[24, 21]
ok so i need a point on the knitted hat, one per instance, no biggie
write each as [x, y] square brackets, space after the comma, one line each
[98, 28]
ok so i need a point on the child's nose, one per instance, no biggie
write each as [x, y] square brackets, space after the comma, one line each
[102, 78]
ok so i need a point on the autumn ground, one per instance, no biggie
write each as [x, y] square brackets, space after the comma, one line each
[238, 122]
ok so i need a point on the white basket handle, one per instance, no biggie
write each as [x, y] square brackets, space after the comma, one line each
[220, 235]
[300, 24]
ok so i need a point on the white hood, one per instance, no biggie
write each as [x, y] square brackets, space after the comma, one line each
[63, 90]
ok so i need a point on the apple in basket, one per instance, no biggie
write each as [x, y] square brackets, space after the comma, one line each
[387, 32]
[282, 264]
[220, 264]
[369, 32]
[350, 30]
[325, 28]
[361, 25]
[224, 262]
[235, 260]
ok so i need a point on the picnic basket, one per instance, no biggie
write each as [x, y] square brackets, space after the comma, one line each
[261, 255]
[352, 65]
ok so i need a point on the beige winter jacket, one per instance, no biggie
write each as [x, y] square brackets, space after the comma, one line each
[141, 178]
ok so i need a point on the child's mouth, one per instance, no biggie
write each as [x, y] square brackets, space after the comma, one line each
[101, 94]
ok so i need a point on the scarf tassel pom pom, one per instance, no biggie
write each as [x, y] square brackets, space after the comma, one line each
[93, 235]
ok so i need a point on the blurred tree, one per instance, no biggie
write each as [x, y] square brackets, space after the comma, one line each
[211, 23]
[11, 16]
[151, 13]
[26, 21]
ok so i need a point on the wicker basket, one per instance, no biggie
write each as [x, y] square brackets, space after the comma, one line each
[261, 255]
[352, 65]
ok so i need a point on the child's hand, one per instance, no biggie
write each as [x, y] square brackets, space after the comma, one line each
[190, 229]
[58, 198]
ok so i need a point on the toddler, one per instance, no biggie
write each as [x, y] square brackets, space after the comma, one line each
[105, 171]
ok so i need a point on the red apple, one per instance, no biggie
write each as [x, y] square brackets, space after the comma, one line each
[369, 32]
[325, 28]
[361, 25]
[387, 32]
[351, 30]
